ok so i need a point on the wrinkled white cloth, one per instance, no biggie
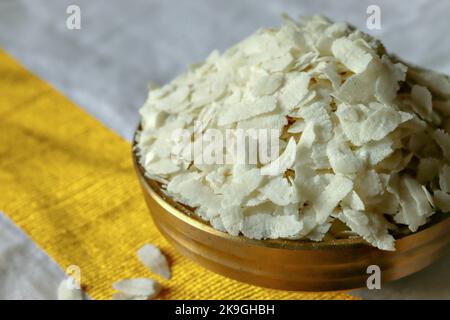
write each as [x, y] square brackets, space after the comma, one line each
[124, 45]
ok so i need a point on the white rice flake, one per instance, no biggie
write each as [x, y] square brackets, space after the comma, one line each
[297, 127]
[152, 257]
[415, 208]
[358, 88]
[353, 201]
[351, 55]
[294, 91]
[162, 167]
[351, 118]
[369, 184]
[318, 114]
[334, 192]
[423, 101]
[342, 158]
[142, 287]
[283, 162]
[380, 123]
[267, 85]
[232, 220]
[266, 121]
[387, 83]
[371, 227]
[279, 191]
[376, 151]
[278, 64]
[194, 193]
[265, 226]
[246, 182]
[245, 110]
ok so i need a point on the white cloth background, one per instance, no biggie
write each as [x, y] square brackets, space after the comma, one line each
[123, 45]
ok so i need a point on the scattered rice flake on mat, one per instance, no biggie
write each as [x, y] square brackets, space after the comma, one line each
[152, 257]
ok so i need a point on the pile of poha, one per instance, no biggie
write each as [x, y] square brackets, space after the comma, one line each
[364, 137]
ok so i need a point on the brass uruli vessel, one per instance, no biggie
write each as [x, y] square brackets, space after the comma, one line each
[290, 264]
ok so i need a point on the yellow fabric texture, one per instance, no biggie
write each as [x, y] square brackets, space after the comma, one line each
[68, 182]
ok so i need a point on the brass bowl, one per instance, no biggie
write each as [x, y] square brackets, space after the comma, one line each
[290, 264]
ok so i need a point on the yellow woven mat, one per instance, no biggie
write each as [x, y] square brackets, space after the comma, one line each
[68, 182]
